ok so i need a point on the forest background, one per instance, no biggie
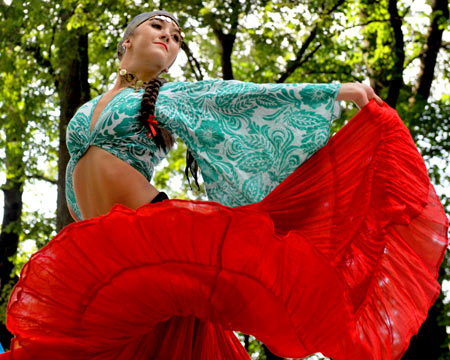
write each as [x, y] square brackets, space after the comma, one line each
[56, 55]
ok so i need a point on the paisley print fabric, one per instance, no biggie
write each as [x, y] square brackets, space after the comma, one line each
[247, 138]
[116, 131]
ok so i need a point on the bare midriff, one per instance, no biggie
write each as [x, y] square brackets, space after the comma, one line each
[102, 180]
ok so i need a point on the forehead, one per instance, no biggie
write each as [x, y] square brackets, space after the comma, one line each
[166, 20]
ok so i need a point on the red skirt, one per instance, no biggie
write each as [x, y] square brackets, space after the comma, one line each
[341, 258]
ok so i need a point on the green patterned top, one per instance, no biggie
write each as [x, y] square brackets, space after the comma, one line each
[247, 138]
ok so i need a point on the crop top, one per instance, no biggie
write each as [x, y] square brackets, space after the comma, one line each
[246, 137]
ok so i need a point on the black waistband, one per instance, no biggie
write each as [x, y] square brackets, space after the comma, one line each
[160, 197]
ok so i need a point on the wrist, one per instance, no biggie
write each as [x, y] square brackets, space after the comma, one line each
[352, 92]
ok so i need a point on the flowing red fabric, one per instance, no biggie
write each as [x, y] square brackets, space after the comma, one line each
[341, 258]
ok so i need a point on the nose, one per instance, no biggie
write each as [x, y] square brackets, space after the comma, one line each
[165, 36]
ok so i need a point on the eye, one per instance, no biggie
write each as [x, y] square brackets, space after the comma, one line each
[156, 26]
[176, 38]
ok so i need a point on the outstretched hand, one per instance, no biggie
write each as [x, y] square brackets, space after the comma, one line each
[359, 93]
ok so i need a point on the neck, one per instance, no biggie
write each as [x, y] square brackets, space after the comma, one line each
[126, 79]
[143, 72]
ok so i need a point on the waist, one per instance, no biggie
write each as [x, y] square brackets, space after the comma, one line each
[100, 180]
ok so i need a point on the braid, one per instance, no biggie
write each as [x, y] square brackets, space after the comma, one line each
[163, 138]
[192, 166]
[191, 163]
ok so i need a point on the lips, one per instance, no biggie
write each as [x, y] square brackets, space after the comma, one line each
[160, 43]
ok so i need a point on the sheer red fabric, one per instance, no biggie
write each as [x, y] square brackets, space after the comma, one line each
[341, 258]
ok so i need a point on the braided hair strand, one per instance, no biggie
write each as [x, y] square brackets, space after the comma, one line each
[163, 139]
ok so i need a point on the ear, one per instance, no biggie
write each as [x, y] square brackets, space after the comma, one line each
[127, 43]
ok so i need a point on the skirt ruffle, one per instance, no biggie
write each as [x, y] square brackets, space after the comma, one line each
[341, 258]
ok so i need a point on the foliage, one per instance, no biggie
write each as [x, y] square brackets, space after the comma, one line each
[433, 138]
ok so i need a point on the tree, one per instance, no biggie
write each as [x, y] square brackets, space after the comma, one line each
[23, 114]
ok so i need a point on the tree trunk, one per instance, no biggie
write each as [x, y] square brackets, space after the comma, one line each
[12, 213]
[73, 90]
[439, 16]
[226, 41]
[270, 355]
[396, 83]
[226, 47]
[9, 239]
[246, 341]
[11, 224]
[421, 92]
[377, 80]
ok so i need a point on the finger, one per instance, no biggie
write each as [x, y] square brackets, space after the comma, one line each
[372, 95]
[378, 100]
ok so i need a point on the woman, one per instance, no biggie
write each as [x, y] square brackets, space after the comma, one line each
[102, 175]
[107, 172]
[337, 258]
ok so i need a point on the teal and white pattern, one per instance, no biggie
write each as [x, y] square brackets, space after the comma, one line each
[247, 138]
[116, 131]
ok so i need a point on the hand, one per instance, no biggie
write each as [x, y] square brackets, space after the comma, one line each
[359, 93]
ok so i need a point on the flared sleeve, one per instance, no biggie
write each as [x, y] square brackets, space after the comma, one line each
[246, 137]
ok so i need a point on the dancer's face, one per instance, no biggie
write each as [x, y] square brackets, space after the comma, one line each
[155, 43]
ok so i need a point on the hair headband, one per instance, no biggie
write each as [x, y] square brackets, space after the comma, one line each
[138, 20]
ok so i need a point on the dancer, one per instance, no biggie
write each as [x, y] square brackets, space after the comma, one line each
[339, 256]
[114, 164]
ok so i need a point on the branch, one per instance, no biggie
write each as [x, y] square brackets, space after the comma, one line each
[36, 52]
[43, 177]
[349, 75]
[299, 59]
[367, 23]
[339, 3]
[297, 65]
[418, 56]
[406, 12]
[193, 63]
[50, 50]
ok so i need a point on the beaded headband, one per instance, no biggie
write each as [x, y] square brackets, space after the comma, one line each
[138, 20]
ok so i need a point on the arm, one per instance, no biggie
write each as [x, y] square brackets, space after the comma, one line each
[359, 93]
[72, 213]
[246, 137]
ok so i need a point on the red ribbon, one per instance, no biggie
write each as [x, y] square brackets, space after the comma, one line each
[151, 123]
